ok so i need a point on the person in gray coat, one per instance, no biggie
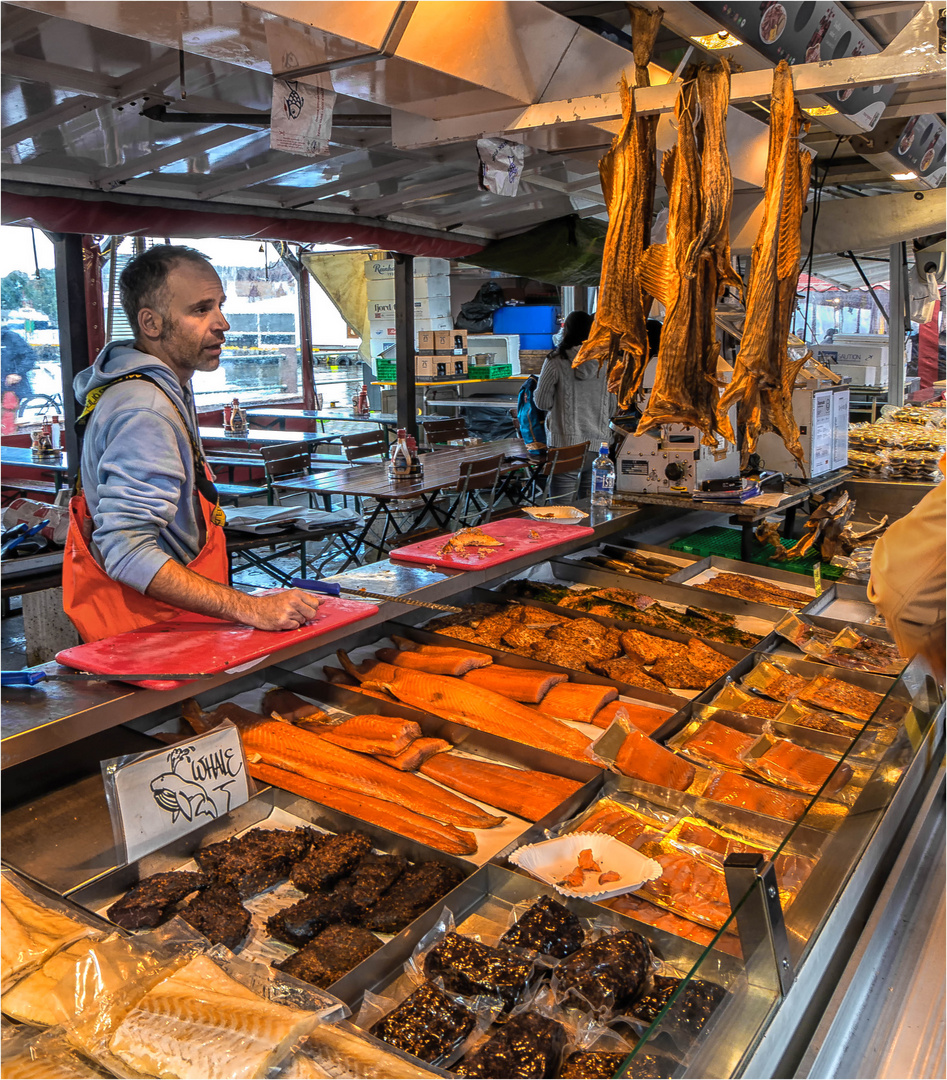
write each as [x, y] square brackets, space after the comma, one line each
[576, 401]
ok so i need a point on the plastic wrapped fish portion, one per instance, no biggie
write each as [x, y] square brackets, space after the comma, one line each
[643, 911]
[625, 818]
[429, 1024]
[692, 883]
[793, 766]
[548, 927]
[201, 1024]
[735, 699]
[28, 1055]
[799, 714]
[691, 1010]
[774, 681]
[341, 1050]
[733, 790]
[714, 744]
[606, 973]
[467, 966]
[528, 1045]
[839, 696]
[34, 927]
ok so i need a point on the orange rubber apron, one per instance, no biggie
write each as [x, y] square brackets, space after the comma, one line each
[99, 606]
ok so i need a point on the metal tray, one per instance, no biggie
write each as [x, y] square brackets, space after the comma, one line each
[798, 582]
[270, 804]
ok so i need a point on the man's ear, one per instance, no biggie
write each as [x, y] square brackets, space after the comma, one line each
[150, 323]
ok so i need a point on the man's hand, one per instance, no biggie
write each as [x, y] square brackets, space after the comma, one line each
[285, 610]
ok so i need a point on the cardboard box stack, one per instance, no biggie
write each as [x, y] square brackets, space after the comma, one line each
[431, 300]
[441, 355]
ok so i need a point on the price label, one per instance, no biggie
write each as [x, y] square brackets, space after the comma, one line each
[817, 578]
[161, 795]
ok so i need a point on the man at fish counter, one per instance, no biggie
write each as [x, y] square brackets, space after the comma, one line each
[146, 539]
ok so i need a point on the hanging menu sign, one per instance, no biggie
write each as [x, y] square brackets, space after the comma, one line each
[162, 795]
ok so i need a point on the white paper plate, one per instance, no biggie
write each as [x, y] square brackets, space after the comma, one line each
[552, 860]
[563, 515]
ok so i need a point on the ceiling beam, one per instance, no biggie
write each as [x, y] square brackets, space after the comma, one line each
[354, 182]
[62, 77]
[827, 75]
[52, 117]
[432, 190]
[235, 180]
[921, 107]
[140, 166]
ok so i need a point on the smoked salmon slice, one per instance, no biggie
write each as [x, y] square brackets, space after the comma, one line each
[642, 758]
[576, 701]
[719, 745]
[801, 769]
[521, 684]
[309, 755]
[475, 707]
[448, 662]
[691, 886]
[370, 734]
[386, 815]
[643, 717]
[414, 756]
[527, 793]
[734, 790]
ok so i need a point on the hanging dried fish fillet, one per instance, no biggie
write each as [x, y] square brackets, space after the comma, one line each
[764, 374]
[619, 337]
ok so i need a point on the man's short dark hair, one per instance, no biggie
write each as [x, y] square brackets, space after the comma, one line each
[143, 279]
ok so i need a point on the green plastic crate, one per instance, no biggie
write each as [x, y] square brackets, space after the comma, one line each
[385, 371]
[725, 543]
[489, 371]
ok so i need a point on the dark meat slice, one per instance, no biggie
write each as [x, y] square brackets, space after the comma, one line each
[608, 973]
[679, 672]
[331, 954]
[690, 1011]
[547, 927]
[427, 1024]
[528, 1045]
[372, 878]
[627, 670]
[414, 892]
[255, 861]
[468, 967]
[301, 921]
[335, 857]
[218, 914]
[149, 903]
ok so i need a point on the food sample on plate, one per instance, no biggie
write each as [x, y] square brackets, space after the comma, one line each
[800, 769]
[332, 953]
[756, 590]
[32, 931]
[529, 1044]
[199, 1022]
[631, 607]
[428, 1024]
[839, 696]
[546, 927]
[467, 541]
[607, 973]
[587, 864]
[643, 759]
[467, 967]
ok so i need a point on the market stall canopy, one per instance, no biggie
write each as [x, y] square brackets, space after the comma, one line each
[168, 105]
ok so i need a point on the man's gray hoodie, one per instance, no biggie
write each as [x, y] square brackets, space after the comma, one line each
[138, 467]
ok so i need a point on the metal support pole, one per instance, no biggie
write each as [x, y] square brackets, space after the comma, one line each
[759, 918]
[896, 325]
[868, 286]
[301, 276]
[73, 334]
[404, 343]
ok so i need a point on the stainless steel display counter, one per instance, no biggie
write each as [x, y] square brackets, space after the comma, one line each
[792, 996]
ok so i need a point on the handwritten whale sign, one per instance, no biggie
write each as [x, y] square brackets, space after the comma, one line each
[161, 795]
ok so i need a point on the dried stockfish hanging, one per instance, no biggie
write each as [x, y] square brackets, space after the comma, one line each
[764, 374]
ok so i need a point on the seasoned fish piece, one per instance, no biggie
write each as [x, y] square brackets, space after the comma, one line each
[468, 967]
[149, 903]
[749, 588]
[547, 927]
[840, 696]
[597, 641]
[627, 670]
[608, 973]
[333, 859]
[258, 859]
[199, 1024]
[528, 1045]
[427, 1024]
[679, 672]
[31, 931]
[645, 648]
[372, 878]
[332, 953]
[558, 652]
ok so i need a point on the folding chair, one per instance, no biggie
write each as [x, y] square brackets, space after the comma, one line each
[477, 485]
[285, 462]
[559, 460]
[366, 444]
[439, 432]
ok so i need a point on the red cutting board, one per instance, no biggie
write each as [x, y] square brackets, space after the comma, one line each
[195, 643]
[515, 534]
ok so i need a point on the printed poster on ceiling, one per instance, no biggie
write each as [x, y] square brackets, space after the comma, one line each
[301, 109]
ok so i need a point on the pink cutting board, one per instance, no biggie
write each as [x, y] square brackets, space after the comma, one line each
[515, 534]
[195, 643]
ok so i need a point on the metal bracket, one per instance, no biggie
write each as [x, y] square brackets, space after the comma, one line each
[760, 916]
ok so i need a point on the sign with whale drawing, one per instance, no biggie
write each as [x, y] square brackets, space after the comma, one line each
[161, 795]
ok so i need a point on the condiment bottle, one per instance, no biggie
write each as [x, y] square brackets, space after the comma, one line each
[399, 464]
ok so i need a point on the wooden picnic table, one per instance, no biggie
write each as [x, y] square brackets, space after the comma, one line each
[441, 469]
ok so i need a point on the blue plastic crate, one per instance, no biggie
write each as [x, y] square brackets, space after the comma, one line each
[536, 341]
[526, 319]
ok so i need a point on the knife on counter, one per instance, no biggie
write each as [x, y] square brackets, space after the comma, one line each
[333, 588]
[31, 678]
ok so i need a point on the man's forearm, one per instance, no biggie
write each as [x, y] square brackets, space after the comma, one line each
[176, 585]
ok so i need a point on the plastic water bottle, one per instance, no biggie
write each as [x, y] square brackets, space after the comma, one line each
[603, 478]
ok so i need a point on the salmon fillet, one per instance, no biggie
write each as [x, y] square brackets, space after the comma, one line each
[736, 790]
[576, 701]
[386, 815]
[719, 745]
[644, 717]
[642, 758]
[414, 755]
[801, 769]
[521, 684]
[446, 662]
[290, 707]
[369, 734]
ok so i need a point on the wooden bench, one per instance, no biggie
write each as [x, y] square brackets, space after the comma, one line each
[236, 492]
